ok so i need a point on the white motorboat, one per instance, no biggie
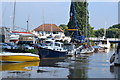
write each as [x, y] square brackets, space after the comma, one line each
[85, 50]
[71, 49]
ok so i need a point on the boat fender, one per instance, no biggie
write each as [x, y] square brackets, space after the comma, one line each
[112, 58]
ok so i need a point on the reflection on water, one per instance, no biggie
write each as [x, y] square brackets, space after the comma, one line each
[115, 70]
[94, 65]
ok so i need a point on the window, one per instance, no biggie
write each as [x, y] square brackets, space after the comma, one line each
[47, 32]
[55, 32]
[56, 44]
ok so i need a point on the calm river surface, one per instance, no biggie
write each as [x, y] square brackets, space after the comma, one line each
[94, 65]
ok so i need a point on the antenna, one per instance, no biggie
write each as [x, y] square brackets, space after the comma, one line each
[14, 15]
[27, 24]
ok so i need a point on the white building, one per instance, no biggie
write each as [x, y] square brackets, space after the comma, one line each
[49, 29]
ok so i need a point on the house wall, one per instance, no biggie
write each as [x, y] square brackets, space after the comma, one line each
[48, 33]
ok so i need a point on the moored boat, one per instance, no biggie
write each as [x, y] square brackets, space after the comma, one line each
[99, 49]
[115, 58]
[52, 49]
[104, 43]
[87, 50]
[18, 57]
[72, 50]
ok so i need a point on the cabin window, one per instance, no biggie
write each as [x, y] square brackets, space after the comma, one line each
[48, 43]
[62, 45]
[56, 44]
[104, 42]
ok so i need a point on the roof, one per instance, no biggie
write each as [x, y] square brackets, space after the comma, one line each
[47, 27]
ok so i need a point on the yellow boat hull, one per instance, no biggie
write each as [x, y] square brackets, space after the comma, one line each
[19, 58]
[17, 66]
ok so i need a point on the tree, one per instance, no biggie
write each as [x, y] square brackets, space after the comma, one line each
[64, 27]
[115, 26]
[99, 32]
[81, 16]
[113, 33]
[91, 31]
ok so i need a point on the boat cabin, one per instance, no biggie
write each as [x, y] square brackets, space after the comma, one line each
[52, 44]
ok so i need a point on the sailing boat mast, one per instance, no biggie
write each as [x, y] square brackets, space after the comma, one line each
[28, 24]
[105, 31]
[51, 28]
[43, 23]
[86, 21]
[87, 26]
[14, 15]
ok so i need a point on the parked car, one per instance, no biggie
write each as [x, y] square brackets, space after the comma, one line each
[12, 45]
[4, 46]
[25, 46]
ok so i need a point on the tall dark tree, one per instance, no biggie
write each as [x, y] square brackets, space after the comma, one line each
[81, 16]
[73, 22]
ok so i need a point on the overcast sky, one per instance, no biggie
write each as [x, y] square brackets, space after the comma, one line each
[57, 13]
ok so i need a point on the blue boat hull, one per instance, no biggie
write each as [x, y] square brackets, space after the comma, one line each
[47, 53]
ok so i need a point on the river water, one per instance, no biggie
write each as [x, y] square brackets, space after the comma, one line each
[94, 65]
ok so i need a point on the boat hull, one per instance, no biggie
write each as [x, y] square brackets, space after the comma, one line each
[18, 66]
[87, 50]
[18, 58]
[48, 53]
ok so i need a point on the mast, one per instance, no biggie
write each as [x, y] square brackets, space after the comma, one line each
[87, 26]
[86, 23]
[51, 28]
[14, 15]
[28, 24]
[43, 22]
[105, 31]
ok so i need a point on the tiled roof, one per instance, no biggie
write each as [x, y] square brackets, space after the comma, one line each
[48, 27]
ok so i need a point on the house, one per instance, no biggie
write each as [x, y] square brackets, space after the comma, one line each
[4, 34]
[49, 30]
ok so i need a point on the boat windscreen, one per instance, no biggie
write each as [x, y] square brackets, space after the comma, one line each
[56, 44]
